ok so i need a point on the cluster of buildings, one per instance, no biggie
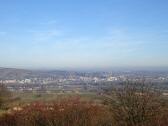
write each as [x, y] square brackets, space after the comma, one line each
[58, 80]
[78, 82]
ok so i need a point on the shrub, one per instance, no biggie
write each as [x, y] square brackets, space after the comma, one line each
[4, 95]
[63, 113]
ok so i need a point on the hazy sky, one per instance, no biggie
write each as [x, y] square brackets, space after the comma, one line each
[72, 34]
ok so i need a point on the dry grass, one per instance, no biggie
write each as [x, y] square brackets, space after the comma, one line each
[63, 113]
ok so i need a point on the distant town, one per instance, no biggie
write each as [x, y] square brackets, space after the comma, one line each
[67, 81]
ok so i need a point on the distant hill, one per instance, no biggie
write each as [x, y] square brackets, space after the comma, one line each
[12, 73]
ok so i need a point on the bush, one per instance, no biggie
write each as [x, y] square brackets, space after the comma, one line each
[4, 95]
[64, 113]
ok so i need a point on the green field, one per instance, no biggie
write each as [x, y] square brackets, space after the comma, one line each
[21, 98]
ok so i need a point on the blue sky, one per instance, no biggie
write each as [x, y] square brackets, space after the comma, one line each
[83, 34]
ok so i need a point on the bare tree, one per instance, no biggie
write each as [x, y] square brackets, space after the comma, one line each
[136, 104]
